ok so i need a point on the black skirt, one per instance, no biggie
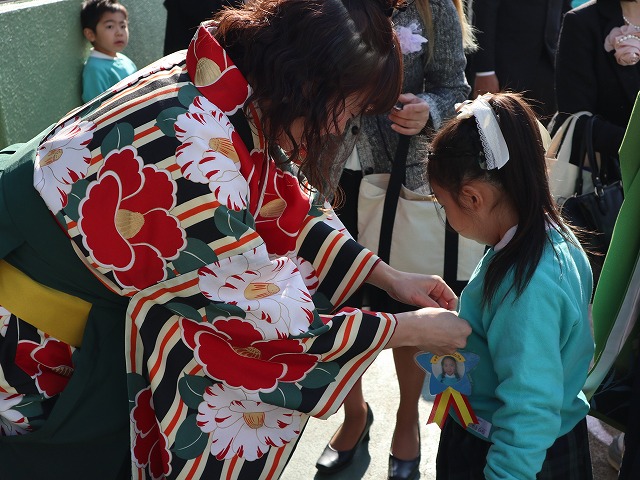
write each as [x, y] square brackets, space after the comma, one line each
[463, 456]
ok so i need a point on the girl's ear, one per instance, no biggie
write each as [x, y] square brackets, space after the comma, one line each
[472, 196]
[89, 34]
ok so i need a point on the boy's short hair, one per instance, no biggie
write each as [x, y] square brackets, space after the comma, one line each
[92, 10]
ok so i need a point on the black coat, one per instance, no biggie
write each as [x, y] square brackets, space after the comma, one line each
[589, 78]
[184, 17]
[517, 40]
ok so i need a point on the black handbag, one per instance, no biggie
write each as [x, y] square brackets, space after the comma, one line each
[594, 212]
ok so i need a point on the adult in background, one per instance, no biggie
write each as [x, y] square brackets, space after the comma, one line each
[517, 43]
[184, 17]
[163, 258]
[433, 35]
[598, 70]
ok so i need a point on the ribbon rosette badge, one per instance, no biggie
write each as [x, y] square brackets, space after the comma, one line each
[450, 384]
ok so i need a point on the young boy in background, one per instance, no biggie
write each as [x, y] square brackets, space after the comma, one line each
[105, 25]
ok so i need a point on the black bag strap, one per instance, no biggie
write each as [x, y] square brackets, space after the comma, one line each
[451, 239]
[587, 151]
[398, 172]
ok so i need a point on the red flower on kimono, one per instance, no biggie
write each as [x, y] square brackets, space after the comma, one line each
[215, 75]
[283, 210]
[49, 364]
[234, 352]
[125, 219]
[150, 445]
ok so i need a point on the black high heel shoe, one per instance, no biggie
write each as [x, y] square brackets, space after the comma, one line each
[404, 469]
[332, 460]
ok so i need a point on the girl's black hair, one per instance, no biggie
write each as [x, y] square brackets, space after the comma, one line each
[455, 159]
[304, 58]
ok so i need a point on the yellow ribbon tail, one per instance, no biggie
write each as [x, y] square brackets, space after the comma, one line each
[463, 409]
[448, 399]
[441, 407]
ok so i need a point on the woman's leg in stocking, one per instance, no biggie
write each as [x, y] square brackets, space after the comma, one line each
[406, 436]
[355, 418]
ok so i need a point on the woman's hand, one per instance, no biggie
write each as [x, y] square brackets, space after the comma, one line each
[413, 116]
[413, 288]
[433, 330]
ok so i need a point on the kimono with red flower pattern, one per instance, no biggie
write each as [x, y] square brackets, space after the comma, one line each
[206, 266]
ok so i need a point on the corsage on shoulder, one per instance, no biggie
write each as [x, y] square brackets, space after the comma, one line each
[409, 37]
[625, 42]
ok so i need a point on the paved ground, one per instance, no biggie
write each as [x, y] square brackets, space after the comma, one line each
[381, 391]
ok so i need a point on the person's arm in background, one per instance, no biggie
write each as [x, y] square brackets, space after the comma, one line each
[485, 20]
[576, 80]
[445, 82]
[441, 78]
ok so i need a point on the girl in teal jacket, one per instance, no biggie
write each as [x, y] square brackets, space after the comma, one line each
[527, 301]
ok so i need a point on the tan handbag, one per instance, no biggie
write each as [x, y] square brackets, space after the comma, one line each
[419, 240]
[562, 173]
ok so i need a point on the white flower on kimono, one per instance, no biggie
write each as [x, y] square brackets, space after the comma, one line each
[272, 292]
[331, 219]
[5, 317]
[308, 274]
[210, 152]
[12, 422]
[243, 426]
[61, 160]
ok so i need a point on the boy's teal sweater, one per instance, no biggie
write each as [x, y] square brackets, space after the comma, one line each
[534, 351]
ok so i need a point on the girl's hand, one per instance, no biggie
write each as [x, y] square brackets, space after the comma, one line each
[413, 116]
[433, 330]
[413, 288]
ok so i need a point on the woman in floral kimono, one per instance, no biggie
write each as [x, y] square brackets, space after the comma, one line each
[162, 285]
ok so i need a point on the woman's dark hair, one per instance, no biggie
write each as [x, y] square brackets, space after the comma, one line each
[91, 11]
[455, 160]
[304, 58]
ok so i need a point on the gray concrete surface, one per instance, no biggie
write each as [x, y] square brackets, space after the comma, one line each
[381, 391]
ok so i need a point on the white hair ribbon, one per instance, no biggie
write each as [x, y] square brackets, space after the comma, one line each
[494, 146]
